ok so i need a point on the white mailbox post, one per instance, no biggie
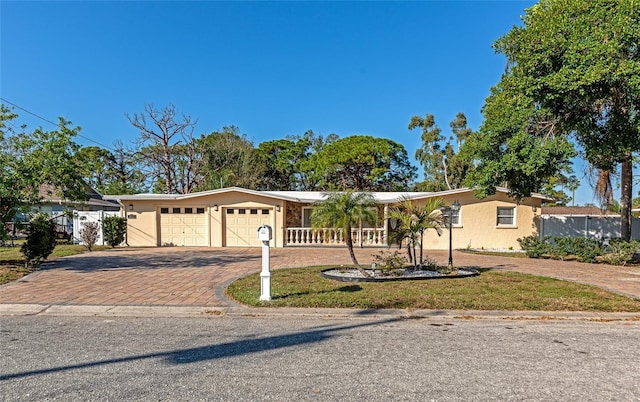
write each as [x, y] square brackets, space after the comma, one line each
[264, 235]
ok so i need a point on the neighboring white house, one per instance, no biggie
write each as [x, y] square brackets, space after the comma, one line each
[59, 208]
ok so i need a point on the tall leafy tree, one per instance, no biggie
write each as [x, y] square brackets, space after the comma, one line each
[555, 188]
[283, 161]
[112, 172]
[516, 145]
[345, 210]
[230, 159]
[126, 171]
[287, 161]
[362, 163]
[438, 155]
[574, 71]
[31, 159]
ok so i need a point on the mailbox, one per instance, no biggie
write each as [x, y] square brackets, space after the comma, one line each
[264, 233]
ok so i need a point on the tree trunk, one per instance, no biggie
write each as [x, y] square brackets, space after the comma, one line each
[415, 260]
[421, 248]
[353, 255]
[626, 182]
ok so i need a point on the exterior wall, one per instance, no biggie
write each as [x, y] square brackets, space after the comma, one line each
[142, 224]
[294, 214]
[478, 219]
[143, 220]
[478, 223]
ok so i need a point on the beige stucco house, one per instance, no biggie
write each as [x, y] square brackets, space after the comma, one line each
[230, 217]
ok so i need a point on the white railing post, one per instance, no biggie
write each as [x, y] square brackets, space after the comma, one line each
[332, 236]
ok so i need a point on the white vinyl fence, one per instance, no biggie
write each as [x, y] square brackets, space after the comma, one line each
[82, 217]
[596, 227]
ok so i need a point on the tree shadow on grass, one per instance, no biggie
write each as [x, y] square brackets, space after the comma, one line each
[348, 289]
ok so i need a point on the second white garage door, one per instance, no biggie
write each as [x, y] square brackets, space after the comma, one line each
[241, 226]
[183, 227]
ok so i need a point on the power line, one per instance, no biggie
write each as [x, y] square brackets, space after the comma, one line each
[50, 122]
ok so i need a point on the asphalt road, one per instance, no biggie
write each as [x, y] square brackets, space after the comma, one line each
[292, 358]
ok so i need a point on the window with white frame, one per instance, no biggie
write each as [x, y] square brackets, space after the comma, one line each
[455, 218]
[506, 216]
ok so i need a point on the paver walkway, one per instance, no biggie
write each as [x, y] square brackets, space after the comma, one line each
[180, 276]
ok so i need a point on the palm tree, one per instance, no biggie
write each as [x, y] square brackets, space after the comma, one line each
[413, 221]
[405, 231]
[344, 210]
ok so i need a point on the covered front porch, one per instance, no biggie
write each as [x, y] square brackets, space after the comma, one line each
[298, 230]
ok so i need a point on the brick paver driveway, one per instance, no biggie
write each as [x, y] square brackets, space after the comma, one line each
[198, 276]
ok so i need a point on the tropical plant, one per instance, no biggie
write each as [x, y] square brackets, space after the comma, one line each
[343, 211]
[413, 221]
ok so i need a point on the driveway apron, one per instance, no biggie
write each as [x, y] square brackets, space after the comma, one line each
[180, 276]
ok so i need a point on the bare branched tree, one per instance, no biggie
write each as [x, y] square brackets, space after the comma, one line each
[166, 140]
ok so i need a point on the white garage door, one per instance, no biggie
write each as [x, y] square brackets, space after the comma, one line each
[241, 226]
[186, 226]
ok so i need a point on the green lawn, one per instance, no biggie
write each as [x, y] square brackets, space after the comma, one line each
[491, 290]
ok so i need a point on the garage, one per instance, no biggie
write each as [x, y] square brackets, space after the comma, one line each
[241, 225]
[185, 226]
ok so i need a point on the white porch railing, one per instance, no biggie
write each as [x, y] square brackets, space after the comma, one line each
[330, 237]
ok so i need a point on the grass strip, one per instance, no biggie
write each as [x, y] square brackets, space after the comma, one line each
[492, 290]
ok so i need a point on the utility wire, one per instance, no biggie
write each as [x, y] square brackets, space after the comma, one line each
[55, 124]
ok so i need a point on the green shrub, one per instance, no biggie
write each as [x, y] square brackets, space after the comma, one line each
[41, 240]
[586, 249]
[390, 263]
[114, 229]
[620, 252]
[533, 246]
[429, 263]
[559, 247]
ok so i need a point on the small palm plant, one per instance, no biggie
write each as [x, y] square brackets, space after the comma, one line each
[413, 221]
[343, 211]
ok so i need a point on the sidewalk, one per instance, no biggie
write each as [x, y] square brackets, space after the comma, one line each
[188, 280]
[305, 313]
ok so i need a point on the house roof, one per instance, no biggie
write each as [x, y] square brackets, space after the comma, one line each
[300, 196]
[49, 195]
[577, 211]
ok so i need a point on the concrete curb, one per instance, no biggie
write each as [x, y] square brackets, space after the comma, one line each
[54, 310]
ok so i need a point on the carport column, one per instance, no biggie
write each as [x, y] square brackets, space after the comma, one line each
[265, 275]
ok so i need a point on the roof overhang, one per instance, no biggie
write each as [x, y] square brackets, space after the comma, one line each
[302, 196]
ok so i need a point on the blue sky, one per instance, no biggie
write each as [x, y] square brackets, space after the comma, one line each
[270, 68]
